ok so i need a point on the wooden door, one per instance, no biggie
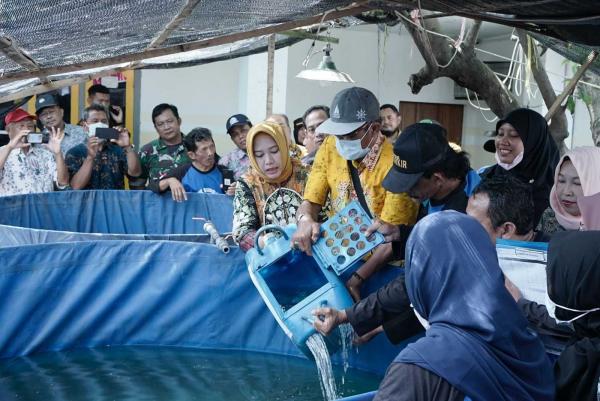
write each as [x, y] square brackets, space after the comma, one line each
[450, 116]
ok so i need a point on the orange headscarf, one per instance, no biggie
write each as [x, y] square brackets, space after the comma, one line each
[274, 131]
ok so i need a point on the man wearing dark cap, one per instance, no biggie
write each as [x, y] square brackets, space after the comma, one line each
[237, 160]
[350, 165]
[429, 171]
[51, 114]
[30, 167]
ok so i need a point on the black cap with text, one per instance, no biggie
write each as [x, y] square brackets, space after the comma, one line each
[420, 147]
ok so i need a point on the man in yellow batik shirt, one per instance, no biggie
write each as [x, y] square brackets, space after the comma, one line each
[354, 142]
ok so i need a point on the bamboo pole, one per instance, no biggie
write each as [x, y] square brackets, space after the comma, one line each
[54, 85]
[571, 86]
[270, 73]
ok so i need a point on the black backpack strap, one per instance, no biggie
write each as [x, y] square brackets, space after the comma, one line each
[358, 188]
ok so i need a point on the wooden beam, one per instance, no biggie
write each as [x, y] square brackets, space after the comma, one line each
[13, 52]
[16, 54]
[54, 85]
[309, 35]
[173, 24]
[353, 9]
[571, 86]
[163, 35]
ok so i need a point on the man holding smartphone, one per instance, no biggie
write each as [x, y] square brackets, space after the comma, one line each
[106, 158]
[99, 94]
[27, 167]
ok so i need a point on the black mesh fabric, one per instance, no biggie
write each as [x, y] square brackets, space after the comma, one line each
[66, 32]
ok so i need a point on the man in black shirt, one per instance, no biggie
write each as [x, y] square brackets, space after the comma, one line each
[503, 205]
[431, 172]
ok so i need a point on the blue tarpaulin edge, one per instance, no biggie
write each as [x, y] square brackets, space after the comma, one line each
[116, 212]
[62, 296]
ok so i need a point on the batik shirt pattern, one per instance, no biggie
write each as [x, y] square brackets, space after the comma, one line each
[27, 173]
[257, 203]
[237, 161]
[74, 135]
[108, 171]
[330, 176]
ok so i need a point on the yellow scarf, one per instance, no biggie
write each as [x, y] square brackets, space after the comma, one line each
[275, 132]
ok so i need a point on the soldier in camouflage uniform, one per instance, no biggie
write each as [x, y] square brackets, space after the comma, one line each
[167, 152]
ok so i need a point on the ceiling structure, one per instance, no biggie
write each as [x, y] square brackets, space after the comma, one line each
[45, 45]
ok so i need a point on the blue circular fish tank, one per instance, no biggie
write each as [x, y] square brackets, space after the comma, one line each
[99, 284]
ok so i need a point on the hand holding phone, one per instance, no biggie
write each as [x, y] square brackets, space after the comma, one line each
[228, 179]
[107, 133]
[36, 137]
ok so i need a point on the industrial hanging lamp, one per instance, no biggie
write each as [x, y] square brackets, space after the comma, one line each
[325, 71]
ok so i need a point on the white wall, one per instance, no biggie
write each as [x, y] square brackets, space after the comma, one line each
[381, 61]
[204, 95]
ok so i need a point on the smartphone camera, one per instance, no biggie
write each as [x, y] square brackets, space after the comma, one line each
[36, 137]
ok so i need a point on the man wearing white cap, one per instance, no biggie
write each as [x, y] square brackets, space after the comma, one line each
[351, 164]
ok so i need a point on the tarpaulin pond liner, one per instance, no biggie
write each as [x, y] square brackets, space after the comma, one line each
[59, 296]
[135, 215]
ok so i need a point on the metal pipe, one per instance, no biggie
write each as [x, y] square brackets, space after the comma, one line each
[219, 241]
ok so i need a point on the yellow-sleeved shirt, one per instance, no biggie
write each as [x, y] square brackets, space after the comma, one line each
[330, 176]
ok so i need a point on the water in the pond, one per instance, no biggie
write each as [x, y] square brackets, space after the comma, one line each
[168, 374]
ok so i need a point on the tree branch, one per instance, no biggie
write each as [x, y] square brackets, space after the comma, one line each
[559, 128]
[465, 69]
[471, 39]
[422, 78]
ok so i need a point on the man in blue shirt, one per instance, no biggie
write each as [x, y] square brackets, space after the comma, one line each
[201, 175]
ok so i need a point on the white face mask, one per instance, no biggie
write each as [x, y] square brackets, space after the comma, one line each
[551, 307]
[421, 319]
[92, 128]
[518, 159]
[352, 149]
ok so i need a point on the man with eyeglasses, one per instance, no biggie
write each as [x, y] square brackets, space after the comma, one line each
[350, 165]
[313, 117]
[167, 152]
[50, 115]
[237, 126]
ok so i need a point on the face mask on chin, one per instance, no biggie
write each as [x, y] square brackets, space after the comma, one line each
[352, 149]
[507, 166]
